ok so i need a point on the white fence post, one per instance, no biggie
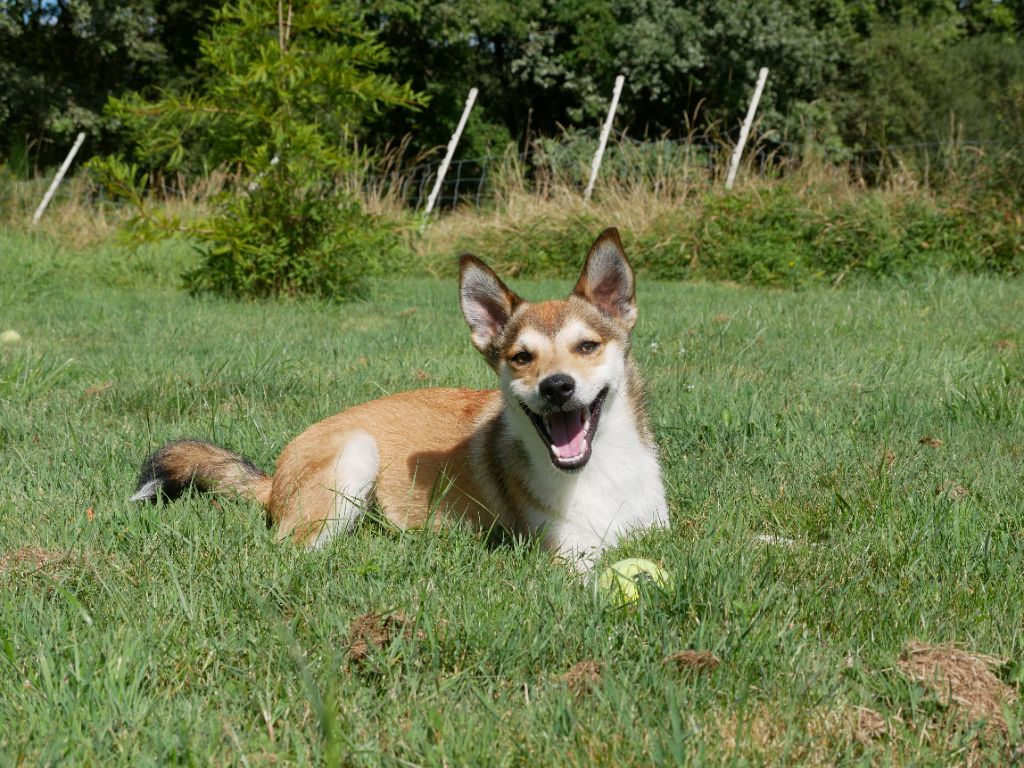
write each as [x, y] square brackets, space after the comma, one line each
[58, 178]
[734, 164]
[451, 151]
[595, 165]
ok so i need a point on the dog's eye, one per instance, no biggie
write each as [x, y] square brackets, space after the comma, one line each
[522, 358]
[587, 347]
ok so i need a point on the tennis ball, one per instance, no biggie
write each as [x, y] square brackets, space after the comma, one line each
[10, 337]
[621, 582]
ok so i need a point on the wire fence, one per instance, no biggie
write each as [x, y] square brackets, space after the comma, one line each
[564, 163]
[655, 164]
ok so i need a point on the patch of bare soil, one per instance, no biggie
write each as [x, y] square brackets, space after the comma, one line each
[373, 631]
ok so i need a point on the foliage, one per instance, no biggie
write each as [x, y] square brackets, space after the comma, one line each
[779, 235]
[845, 73]
[273, 241]
[540, 65]
[285, 88]
[61, 59]
[834, 64]
[923, 81]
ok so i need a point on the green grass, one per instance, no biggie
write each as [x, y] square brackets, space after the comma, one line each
[184, 634]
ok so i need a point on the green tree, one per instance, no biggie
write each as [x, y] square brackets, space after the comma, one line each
[286, 87]
[850, 70]
[546, 65]
[61, 59]
[925, 73]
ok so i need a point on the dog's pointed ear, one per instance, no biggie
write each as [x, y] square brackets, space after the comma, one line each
[607, 279]
[487, 303]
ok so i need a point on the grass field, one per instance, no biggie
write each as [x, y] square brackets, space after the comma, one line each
[844, 470]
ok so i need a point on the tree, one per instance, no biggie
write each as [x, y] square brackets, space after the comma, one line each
[545, 65]
[286, 87]
[61, 59]
[925, 73]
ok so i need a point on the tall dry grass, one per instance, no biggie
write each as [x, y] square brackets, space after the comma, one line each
[81, 214]
[658, 191]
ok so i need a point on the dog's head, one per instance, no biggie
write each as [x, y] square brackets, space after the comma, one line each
[558, 360]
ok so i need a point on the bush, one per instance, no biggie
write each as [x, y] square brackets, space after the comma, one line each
[762, 238]
[542, 247]
[776, 235]
[270, 242]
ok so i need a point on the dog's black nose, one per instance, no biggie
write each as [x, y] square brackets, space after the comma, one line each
[557, 389]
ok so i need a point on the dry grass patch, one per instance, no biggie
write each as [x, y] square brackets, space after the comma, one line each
[692, 661]
[866, 725]
[960, 679]
[518, 212]
[819, 738]
[31, 558]
[583, 677]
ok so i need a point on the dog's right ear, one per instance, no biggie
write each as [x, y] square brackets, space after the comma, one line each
[607, 279]
[487, 303]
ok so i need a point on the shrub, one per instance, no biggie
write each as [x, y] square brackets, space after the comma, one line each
[774, 234]
[271, 242]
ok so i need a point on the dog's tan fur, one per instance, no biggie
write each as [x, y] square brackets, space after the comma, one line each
[409, 480]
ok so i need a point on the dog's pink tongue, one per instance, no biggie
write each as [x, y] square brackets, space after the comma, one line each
[568, 433]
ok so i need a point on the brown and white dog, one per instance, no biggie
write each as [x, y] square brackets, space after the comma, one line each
[562, 451]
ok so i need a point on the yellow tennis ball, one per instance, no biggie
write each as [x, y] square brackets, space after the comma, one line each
[621, 582]
[10, 337]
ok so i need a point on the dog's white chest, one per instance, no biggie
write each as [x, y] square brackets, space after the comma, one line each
[619, 491]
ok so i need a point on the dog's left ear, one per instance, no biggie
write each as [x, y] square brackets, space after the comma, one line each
[607, 279]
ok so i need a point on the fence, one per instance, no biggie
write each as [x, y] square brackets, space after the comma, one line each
[655, 164]
[564, 162]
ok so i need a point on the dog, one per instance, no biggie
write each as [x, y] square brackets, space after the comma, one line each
[561, 452]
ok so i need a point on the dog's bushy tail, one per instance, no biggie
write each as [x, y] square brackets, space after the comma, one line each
[184, 464]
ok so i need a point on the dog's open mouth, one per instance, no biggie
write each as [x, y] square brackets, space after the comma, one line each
[569, 435]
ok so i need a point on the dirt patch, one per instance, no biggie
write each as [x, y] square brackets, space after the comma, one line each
[930, 442]
[31, 559]
[373, 631]
[958, 492]
[1005, 345]
[583, 677]
[960, 679]
[692, 661]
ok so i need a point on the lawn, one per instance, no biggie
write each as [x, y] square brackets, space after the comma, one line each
[844, 469]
